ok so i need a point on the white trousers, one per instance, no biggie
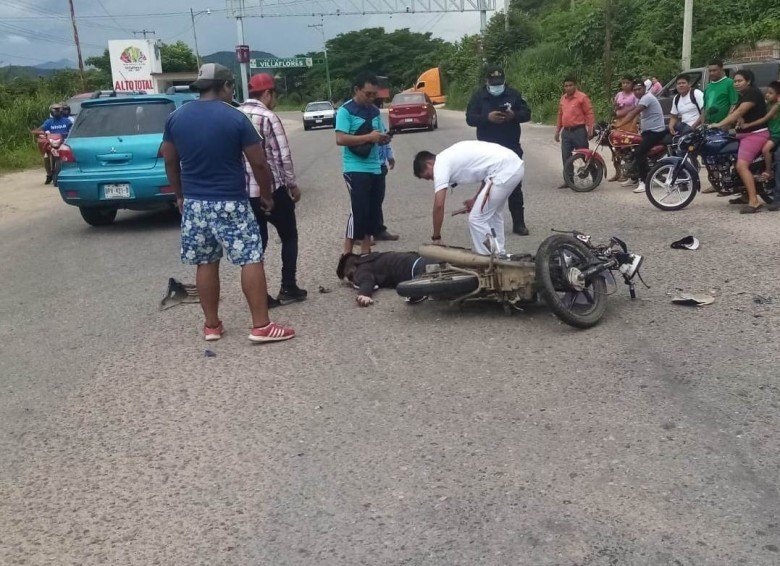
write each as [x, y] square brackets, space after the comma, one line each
[488, 211]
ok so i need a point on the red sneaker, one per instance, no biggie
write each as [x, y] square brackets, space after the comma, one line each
[271, 332]
[211, 334]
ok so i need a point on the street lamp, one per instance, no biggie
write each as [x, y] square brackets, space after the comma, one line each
[193, 14]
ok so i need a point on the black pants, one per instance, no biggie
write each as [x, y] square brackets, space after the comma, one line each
[575, 138]
[649, 139]
[516, 203]
[283, 218]
[383, 184]
[366, 191]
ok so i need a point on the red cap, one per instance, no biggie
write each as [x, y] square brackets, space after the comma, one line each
[261, 82]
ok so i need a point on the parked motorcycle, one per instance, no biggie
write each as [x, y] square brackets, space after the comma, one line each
[569, 273]
[585, 169]
[673, 182]
[49, 146]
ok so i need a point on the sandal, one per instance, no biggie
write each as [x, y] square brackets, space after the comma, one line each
[747, 209]
[739, 200]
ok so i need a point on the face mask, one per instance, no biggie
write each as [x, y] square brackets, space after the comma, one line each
[496, 90]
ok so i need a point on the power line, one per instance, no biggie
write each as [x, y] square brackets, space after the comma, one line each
[113, 19]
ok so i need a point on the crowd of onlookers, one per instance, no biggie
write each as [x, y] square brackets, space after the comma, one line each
[232, 172]
[727, 103]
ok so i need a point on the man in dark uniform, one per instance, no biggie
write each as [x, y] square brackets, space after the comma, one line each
[497, 111]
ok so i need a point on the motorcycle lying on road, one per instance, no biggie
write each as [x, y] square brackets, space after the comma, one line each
[673, 182]
[49, 146]
[585, 169]
[569, 273]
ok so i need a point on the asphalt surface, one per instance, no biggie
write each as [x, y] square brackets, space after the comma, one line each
[389, 435]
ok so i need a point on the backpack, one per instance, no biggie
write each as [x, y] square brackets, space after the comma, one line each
[693, 99]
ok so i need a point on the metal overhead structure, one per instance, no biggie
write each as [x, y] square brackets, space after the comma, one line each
[240, 9]
[303, 8]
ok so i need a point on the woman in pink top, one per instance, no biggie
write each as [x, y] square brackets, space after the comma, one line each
[624, 102]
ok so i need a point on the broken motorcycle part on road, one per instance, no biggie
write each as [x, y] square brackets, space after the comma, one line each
[178, 293]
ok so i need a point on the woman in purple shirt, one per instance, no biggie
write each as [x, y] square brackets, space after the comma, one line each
[625, 101]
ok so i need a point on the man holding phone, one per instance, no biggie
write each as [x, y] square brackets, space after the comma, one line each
[497, 111]
[359, 131]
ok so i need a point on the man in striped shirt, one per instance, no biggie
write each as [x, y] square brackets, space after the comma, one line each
[259, 107]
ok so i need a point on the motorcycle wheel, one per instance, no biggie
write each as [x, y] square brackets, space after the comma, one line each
[559, 259]
[449, 287]
[580, 178]
[671, 198]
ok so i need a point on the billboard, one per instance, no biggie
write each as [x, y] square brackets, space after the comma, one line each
[132, 63]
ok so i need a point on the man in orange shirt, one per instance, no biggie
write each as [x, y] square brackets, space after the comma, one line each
[575, 120]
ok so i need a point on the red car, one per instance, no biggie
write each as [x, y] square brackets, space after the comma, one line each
[412, 110]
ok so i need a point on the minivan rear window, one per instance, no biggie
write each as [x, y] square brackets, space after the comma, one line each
[122, 119]
[411, 98]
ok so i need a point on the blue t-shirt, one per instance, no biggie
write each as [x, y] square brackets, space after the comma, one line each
[59, 125]
[349, 118]
[210, 137]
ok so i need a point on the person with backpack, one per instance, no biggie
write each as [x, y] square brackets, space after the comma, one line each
[687, 104]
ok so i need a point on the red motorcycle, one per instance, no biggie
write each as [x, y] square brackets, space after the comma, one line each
[49, 146]
[586, 168]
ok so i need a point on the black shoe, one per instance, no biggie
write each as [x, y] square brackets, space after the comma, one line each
[48, 180]
[272, 303]
[289, 295]
[520, 230]
[385, 236]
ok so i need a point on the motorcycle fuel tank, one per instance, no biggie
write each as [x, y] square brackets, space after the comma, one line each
[719, 142]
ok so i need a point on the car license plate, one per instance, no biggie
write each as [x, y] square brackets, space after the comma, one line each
[121, 190]
[318, 121]
[410, 119]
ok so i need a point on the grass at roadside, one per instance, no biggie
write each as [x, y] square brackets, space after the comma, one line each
[16, 159]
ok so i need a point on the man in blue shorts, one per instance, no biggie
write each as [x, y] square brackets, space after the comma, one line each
[203, 145]
[359, 131]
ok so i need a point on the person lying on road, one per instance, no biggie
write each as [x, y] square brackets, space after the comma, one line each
[375, 270]
[498, 169]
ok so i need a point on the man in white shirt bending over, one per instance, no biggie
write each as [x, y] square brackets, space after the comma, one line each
[498, 169]
[687, 106]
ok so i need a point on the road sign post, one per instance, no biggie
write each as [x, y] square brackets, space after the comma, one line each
[286, 63]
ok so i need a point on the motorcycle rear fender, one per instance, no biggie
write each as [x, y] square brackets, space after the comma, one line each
[588, 153]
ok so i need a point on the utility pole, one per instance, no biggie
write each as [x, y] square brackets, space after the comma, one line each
[144, 32]
[244, 67]
[76, 39]
[687, 32]
[608, 48]
[321, 26]
[506, 15]
[482, 16]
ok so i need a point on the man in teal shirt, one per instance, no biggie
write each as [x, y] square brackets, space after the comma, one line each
[359, 130]
[720, 96]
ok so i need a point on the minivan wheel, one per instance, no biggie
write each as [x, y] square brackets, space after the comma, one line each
[97, 216]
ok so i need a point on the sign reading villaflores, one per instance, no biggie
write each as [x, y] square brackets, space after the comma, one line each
[132, 63]
[287, 63]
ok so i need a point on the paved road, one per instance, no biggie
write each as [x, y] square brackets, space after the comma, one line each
[389, 435]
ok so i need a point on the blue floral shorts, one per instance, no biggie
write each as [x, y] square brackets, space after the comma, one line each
[208, 226]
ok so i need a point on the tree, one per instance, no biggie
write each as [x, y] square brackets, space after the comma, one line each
[177, 57]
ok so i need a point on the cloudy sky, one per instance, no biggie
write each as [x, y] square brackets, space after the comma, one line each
[35, 31]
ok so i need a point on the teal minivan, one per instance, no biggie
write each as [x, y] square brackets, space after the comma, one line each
[111, 159]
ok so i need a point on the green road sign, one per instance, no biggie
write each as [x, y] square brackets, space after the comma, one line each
[287, 63]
